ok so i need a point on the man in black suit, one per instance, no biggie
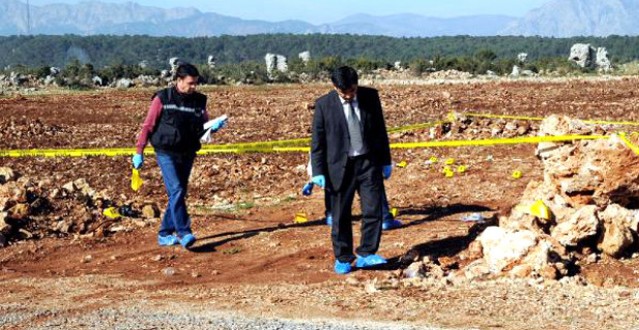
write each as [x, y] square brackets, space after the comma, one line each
[350, 152]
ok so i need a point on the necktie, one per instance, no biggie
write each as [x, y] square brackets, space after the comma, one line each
[354, 129]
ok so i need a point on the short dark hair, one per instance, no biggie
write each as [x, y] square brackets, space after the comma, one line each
[186, 69]
[344, 77]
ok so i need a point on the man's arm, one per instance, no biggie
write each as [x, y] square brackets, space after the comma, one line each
[148, 126]
[318, 142]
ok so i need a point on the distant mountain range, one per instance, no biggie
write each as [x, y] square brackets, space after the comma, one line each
[557, 18]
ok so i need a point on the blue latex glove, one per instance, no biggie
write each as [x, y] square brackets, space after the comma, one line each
[308, 189]
[218, 124]
[387, 170]
[138, 161]
[319, 180]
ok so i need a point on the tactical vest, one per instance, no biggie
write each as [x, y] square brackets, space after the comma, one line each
[181, 122]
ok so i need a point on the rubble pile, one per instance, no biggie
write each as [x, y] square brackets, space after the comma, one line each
[31, 209]
[465, 127]
[586, 204]
[585, 207]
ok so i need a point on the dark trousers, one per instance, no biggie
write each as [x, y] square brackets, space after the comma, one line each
[364, 177]
[387, 215]
[176, 170]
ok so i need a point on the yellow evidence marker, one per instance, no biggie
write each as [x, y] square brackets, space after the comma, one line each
[300, 218]
[136, 180]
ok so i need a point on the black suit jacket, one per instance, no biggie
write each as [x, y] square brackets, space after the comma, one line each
[331, 141]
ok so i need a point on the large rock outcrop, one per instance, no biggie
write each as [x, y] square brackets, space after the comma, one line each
[585, 203]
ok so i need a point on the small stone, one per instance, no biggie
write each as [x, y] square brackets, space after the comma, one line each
[157, 258]
[521, 271]
[371, 287]
[169, 271]
[473, 252]
[150, 211]
[6, 175]
[415, 270]
[549, 272]
[55, 193]
[195, 275]
[87, 259]
[352, 281]
[447, 263]
[592, 258]
[69, 187]
[215, 272]
[3, 223]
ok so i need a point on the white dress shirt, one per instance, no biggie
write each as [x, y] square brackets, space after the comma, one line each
[347, 114]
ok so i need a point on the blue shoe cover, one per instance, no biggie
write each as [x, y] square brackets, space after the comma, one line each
[187, 240]
[370, 261]
[342, 267]
[167, 240]
[391, 224]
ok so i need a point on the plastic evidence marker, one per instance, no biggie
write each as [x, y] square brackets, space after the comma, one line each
[517, 175]
[136, 180]
[540, 210]
[300, 218]
[111, 213]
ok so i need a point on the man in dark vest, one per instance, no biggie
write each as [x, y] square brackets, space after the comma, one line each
[350, 152]
[174, 124]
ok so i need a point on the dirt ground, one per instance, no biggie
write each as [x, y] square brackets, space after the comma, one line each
[252, 259]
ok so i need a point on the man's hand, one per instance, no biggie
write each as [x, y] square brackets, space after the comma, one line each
[218, 123]
[308, 189]
[386, 171]
[319, 180]
[138, 161]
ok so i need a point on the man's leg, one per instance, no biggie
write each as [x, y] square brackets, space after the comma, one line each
[328, 208]
[341, 206]
[370, 182]
[173, 175]
[182, 219]
[171, 181]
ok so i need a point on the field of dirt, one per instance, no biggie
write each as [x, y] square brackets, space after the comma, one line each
[252, 260]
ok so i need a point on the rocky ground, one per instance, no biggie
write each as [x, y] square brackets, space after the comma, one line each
[68, 266]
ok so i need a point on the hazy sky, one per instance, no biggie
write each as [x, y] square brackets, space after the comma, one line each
[326, 11]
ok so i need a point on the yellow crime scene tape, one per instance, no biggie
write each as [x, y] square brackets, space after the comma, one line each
[629, 144]
[285, 145]
[292, 145]
[492, 142]
[301, 145]
[260, 147]
[588, 121]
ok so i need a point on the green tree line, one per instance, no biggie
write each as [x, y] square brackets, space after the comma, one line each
[102, 50]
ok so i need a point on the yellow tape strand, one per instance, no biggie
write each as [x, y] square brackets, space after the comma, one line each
[265, 148]
[491, 142]
[598, 122]
[293, 145]
[629, 144]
